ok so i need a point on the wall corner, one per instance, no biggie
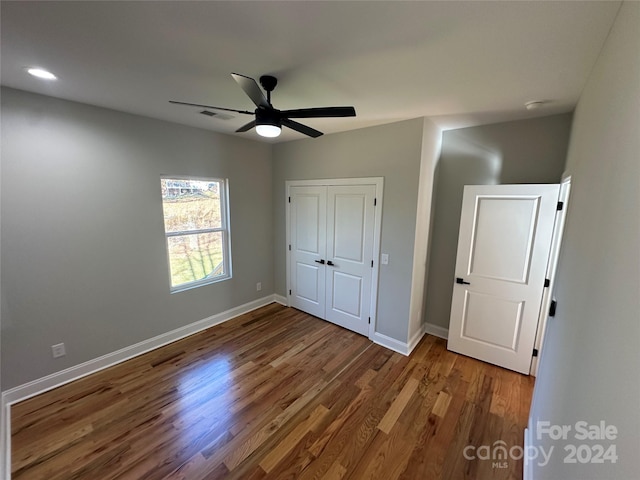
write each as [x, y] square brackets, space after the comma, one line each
[429, 155]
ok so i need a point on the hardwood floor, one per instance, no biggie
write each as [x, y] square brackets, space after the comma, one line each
[275, 394]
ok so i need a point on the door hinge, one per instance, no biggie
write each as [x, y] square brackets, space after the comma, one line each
[375, 202]
[552, 308]
[289, 199]
[535, 352]
[289, 292]
[369, 320]
[371, 263]
[547, 282]
[289, 247]
[560, 206]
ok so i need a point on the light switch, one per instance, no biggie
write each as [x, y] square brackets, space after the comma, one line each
[384, 259]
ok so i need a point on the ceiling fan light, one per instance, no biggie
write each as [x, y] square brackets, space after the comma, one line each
[269, 131]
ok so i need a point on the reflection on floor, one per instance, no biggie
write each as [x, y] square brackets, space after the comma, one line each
[276, 394]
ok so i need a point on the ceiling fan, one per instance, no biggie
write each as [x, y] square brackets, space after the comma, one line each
[269, 120]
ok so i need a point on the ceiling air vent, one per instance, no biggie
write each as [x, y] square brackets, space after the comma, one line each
[219, 116]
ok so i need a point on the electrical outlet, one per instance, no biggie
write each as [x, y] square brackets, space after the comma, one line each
[384, 259]
[58, 350]
[258, 286]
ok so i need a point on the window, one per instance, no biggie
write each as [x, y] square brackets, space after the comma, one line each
[196, 226]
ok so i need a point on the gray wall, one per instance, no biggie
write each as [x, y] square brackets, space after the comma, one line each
[83, 250]
[590, 358]
[391, 151]
[525, 151]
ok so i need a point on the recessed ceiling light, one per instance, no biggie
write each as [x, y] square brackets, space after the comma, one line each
[41, 73]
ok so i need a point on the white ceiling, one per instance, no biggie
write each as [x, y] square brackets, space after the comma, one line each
[461, 63]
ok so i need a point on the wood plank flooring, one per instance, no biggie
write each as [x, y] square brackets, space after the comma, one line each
[276, 394]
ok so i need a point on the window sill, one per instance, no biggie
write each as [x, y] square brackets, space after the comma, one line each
[201, 283]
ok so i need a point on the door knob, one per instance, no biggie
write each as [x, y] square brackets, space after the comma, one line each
[462, 282]
[330, 263]
[320, 261]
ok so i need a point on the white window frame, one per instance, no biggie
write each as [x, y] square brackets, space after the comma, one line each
[224, 228]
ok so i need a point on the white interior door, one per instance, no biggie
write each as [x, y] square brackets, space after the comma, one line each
[503, 250]
[308, 248]
[350, 230]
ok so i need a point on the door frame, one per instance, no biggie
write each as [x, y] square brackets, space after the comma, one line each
[552, 265]
[378, 182]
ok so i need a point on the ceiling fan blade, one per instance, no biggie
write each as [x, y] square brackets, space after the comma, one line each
[252, 89]
[247, 127]
[319, 112]
[211, 106]
[298, 127]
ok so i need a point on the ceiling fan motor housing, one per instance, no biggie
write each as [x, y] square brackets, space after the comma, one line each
[266, 116]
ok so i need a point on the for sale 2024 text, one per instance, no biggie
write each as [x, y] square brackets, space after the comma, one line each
[583, 431]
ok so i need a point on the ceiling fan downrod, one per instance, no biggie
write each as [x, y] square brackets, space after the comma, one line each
[269, 83]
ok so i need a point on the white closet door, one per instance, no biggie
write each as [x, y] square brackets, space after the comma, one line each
[332, 231]
[350, 231]
[308, 248]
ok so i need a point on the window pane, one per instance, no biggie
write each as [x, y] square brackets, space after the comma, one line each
[191, 205]
[196, 257]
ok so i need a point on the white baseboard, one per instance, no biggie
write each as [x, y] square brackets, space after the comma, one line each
[415, 339]
[57, 379]
[527, 470]
[397, 345]
[390, 343]
[5, 441]
[406, 348]
[280, 299]
[436, 330]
